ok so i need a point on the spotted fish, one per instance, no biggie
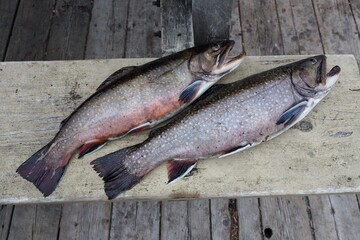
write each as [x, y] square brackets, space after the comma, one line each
[130, 100]
[227, 119]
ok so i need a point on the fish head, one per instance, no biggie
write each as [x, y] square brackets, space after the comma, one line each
[310, 79]
[212, 61]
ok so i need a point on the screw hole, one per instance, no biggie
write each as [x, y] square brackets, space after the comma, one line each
[268, 232]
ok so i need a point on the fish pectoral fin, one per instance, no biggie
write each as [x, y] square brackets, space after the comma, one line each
[194, 90]
[91, 146]
[178, 169]
[292, 114]
[235, 150]
[115, 76]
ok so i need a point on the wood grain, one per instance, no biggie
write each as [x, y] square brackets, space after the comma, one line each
[135, 220]
[143, 22]
[176, 26]
[7, 15]
[299, 27]
[323, 220]
[69, 29]
[337, 27]
[261, 34]
[285, 218]
[220, 219]
[38, 122]
[199, 219]
[107, 32]
[30, 30]
[85, 221]
[250, 225]
[6, 212]
[174, 220]
[347, 216]
[211, 20]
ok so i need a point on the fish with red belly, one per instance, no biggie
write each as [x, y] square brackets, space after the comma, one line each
[227, 119]
[130, 100]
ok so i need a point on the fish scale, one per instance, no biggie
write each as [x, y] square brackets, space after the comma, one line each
[229, 118]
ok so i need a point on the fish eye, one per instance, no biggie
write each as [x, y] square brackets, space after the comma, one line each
[216, 46]
[313, 60]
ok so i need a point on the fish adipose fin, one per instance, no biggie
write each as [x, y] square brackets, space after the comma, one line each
[292, 114]
[178, 169]
[91, 146]
[115, 173]
[194, 90]
[115, 76]
[37, 171]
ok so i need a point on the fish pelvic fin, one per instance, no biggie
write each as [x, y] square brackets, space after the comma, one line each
[115, 172]
[177, 169]
[37, 171]
[91, 146]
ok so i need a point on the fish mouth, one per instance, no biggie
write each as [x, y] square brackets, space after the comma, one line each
[332, 76]
[330, 79]
[227, 63]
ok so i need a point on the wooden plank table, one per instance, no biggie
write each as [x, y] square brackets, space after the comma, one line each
[319, 155]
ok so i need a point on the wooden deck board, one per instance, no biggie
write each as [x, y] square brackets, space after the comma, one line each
[323, 220]
[199, 219]
[107, 32]
[337, 27]
[285, 218]
[143, 23]
[85, 221]
[250, 225]
[6, 212]
[314, 210]
[68, 31]
[81, 182]
[8, 10]
[30, 31]
[176, 26]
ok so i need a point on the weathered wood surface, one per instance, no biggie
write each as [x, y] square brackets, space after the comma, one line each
[7, 15]
[30, 30]
[135, 220]
[211, 20]
[176, 26]
[35, 118]
[250, 225]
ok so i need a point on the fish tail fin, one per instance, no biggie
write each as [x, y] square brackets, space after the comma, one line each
[37, 171]
[114, 170]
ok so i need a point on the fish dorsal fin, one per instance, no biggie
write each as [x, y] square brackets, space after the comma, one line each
[235, 150]
[292, 114]
[194, 90]
[115, 76]
[178, 169]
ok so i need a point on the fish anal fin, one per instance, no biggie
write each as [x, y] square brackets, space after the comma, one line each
[194, 90]
[115, 76]
[235, 150]
[91, 146]
[178, 169]
[292, 114]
